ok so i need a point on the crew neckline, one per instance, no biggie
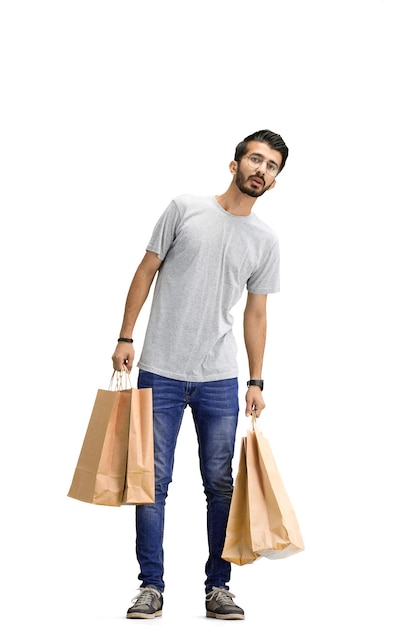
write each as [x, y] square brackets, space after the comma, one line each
[251, 214]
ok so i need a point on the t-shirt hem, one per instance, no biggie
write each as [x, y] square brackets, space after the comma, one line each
[185, 377]
[263, 292]
[154, 249]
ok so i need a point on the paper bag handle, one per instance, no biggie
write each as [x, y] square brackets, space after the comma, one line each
[120, 380]
[254, 423]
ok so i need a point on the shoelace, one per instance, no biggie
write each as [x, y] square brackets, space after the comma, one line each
[222, 595]
[145, 596]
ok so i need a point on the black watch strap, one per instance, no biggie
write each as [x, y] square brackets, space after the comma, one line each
[257, 383]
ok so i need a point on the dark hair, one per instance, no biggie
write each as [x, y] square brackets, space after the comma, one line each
[273, 140]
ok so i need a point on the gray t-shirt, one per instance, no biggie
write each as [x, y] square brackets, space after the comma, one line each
[209, 257]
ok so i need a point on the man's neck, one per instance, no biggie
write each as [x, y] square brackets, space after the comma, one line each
[235, 202]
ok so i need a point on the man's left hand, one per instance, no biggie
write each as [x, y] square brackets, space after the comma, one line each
[254, 401]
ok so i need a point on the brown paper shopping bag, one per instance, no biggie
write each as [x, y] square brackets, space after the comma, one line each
[262, 522]
[238, 542]
[99, 477]
[140, 475]
[274, 528]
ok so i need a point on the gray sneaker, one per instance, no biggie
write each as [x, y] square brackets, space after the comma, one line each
[147, 604]
[219, 604]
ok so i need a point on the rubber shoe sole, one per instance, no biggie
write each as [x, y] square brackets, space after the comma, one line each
[224, 615]
[144, 615]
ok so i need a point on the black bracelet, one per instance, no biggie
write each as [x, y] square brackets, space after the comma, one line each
[125, 339]
[258, 383]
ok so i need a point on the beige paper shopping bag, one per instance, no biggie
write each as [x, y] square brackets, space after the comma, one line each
[140, 474]
[99, 477]
[274, 528]
[262, 521]
[238, 542]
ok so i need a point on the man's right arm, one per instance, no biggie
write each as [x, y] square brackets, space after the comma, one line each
[124, 353]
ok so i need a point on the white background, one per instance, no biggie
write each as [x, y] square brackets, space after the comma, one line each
[110, 109]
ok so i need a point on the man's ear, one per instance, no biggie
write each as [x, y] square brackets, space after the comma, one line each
[233, 167]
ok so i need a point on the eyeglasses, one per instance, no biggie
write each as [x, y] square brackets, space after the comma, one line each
[255, 161]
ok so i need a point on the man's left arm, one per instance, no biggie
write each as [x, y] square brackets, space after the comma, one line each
[254, 328]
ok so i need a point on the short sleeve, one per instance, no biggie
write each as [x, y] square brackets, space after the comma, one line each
[266, 277]
[165, 231]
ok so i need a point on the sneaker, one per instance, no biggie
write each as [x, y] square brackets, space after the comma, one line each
[219, 604]
[147, 604]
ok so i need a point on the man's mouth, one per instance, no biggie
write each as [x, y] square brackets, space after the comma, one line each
[258, 181]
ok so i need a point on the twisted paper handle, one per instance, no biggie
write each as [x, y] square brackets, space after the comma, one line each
[120, 380]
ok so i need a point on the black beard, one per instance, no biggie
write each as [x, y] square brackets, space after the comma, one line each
[253, 193]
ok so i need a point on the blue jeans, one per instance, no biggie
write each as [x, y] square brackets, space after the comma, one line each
[215, 410]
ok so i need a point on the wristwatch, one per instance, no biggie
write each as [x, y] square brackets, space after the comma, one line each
[257, 383]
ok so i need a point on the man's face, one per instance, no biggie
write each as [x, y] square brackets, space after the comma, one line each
[253, 173]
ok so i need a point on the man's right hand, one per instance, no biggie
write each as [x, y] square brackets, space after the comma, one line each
[123, 356]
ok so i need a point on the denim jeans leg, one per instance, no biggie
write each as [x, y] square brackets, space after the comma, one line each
[168, 409]
[215, 410]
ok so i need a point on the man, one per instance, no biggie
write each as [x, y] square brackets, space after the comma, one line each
[206, 251]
